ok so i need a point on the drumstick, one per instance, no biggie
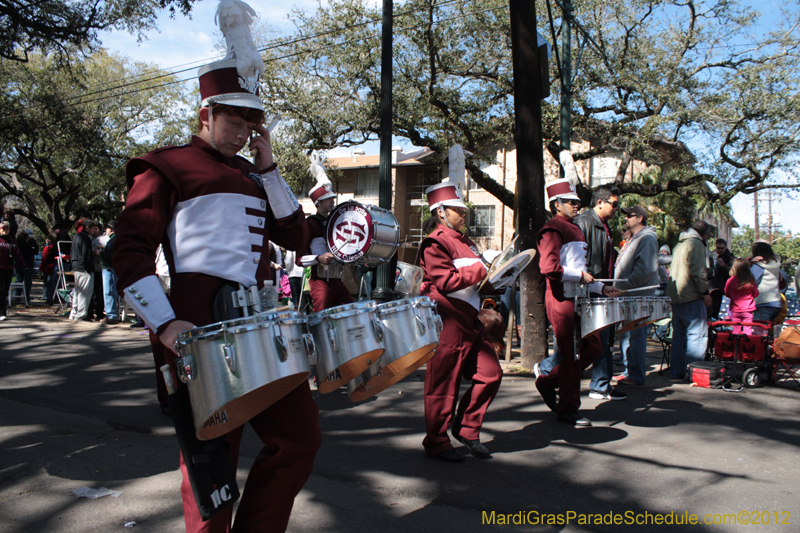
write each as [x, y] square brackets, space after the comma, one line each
[639, 289]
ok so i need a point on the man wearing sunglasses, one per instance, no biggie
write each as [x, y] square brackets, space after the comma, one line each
[637, 264]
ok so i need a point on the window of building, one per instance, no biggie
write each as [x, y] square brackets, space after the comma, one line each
[481, 221]
[604, 168]
[367, 184]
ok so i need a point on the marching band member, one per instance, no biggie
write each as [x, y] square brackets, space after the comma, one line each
[562, 259]
[453, 271]
[327, 288]
[214, 213]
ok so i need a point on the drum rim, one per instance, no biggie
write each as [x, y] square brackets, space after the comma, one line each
[238, 325]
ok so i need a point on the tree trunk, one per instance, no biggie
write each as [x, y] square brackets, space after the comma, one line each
[530, 175]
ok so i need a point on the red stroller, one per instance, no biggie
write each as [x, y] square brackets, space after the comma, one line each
[748, 355]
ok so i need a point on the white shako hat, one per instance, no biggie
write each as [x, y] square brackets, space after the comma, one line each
[220, 83]
[234, 80]
[444, 194]
[320, 192]
[561, 189]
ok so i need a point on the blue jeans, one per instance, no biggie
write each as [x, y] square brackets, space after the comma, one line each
[603, 367]
[689, 336]
[110, 296]
[50, 281]
[549, 363]
[634, 354]
[25, 276]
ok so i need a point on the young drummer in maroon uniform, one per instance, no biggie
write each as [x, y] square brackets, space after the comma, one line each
[453, 271]
[215, 212]
[562, 259]
[327, 288]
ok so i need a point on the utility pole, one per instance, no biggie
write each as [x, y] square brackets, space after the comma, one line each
[530, 174]
[566, 77]
[755, 207]
[385, 274]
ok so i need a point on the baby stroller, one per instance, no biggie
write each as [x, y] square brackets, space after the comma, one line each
[746, 355]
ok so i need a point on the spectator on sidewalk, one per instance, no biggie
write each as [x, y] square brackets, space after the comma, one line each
[637, 264]
[47, 268]
[688, 289]
[83, 268]
[722, 259]
[110, 295]
[9, 256]
[29, 249]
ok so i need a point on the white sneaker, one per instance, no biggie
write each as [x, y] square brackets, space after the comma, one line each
[2, 317]
[613, 394]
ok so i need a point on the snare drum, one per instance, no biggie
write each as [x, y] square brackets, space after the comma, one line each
[639, 310]
[348, 338]
[362, 234]
[599, 313]
[237, 368]
[411, 332]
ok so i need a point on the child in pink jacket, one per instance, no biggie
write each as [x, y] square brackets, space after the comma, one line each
[742, 290]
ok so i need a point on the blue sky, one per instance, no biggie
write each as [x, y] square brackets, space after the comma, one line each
[185, 42]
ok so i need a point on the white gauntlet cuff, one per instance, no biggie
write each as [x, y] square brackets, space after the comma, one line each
[280, 195]
[308, 260]
[148, 300]
[571, 274]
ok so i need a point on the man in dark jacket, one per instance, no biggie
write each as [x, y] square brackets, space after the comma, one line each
[9, 256]
[600, 263]
[82, 257]
[29, 249]
[723, 261]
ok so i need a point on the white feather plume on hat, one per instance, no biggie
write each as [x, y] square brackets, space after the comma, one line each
[234, 18]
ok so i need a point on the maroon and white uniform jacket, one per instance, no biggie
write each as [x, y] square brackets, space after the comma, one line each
[214, 221]
[562, 257]
[453, 270]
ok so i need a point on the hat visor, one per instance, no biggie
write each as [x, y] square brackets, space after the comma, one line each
[235, 100]
[568, 196]
[325, 197]
[449, 203]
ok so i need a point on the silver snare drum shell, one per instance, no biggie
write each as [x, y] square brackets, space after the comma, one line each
[237, 368]
[639, 311]
[412, 328]
[599, 313]
[348, 339]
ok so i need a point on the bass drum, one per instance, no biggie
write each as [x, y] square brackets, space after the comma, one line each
[237, 368]
[411, 328]
[362, 234]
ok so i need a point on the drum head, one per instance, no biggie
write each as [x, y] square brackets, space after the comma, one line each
[350, 232]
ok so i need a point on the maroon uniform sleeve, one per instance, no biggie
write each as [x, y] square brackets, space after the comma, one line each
[550, 243]
[442, 272]
[142, 226]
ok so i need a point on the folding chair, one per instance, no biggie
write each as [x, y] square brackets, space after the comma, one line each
[663, 335]
[14, 287]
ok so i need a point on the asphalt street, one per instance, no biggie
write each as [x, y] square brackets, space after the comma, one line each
[78, 409]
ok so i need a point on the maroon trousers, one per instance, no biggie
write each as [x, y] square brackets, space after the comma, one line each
[328, 293]
[464, 352]
[290, 432]
[566, 377]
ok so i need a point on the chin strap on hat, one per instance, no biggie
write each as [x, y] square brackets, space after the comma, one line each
[444, 218]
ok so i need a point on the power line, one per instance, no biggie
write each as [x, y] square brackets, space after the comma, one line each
[277, 45]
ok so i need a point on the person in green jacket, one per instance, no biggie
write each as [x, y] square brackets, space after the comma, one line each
[687, 287]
